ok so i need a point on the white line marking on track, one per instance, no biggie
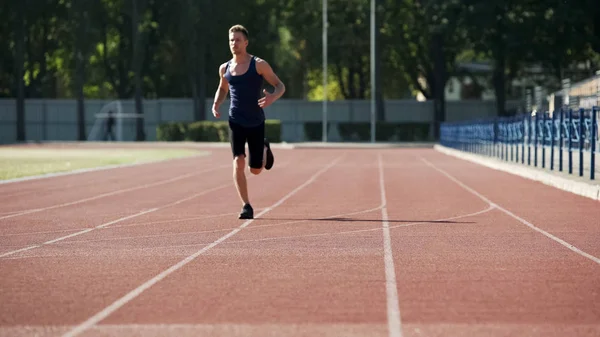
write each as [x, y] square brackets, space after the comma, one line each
[489, 208]
[119, 220]
[139, 290]
[393, 309]
[78, 233]
[42, 232]
[523, 221]
[346, 232]
[103, 195]
[171, 221]
[146, 223]
[19, 250]
[342, 232]
[217, 230]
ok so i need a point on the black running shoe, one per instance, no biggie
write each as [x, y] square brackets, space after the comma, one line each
[247, 212]
[270, 158]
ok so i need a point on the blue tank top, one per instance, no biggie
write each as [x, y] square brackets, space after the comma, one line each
[245, 91]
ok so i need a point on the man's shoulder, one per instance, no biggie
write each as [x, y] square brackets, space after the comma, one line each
[261, 64]
[222, 67]
[259, 60]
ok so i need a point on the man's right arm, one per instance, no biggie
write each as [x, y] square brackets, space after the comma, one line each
[223, 88]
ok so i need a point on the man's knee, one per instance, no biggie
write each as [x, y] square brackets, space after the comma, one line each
[239, 162]
[255, 170]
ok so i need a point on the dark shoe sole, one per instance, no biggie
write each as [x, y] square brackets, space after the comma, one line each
[270, 158]
[245, 216]
[246, 213]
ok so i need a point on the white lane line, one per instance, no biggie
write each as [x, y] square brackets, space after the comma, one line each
[119, 220]
[215, 230]
[42, 232]
[523, 221]
[393, 308]
[483, 211]
[462, 216]
[99, 196]
[342, 232]
[77, 233]
[357, 231]
[139, 290]
[19, 250]
[146, 223]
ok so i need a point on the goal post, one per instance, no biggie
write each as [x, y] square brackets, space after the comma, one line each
[116, 109]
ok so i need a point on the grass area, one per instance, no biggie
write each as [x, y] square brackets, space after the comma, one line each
[23, 162]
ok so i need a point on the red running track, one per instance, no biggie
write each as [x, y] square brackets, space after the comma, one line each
[382, 242]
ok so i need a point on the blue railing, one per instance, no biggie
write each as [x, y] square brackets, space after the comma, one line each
[532, 139]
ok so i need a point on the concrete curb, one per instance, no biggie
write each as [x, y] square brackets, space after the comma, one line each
[588, 190]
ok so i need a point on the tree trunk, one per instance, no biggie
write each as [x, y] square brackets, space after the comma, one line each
[137, 65]
[20, 62]
[194, 74]
[201, 51]
[439, 74]
[499, 79]
[83, 22]
[499, 85]
[499, 75]
[379, 103]
[201, 112]
[80, 97]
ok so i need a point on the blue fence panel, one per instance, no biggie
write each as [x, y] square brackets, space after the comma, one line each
[530, 139]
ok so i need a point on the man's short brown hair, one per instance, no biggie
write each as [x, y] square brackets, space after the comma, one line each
[239, 28]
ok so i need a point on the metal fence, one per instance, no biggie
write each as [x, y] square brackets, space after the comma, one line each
[565, 140]
[56, 119]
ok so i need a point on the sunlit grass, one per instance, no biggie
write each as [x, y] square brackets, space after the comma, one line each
[23, 162]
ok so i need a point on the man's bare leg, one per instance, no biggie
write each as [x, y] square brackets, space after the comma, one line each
[239, 177]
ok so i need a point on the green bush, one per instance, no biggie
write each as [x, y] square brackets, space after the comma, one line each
[209, 131]
[385, 131]
[313, 131]
[273, 130]
[171, 132]
[218, 131]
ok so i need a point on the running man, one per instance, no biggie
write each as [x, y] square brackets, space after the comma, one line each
[242, 77]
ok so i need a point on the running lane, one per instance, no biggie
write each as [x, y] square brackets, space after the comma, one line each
[573, 218]
[88, 211]
[178, 224]
[39, 227]
[485, 273]
[26, 195]
[50, 288]
[290, 272]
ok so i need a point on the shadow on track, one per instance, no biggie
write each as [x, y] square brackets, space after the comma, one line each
[368, 220]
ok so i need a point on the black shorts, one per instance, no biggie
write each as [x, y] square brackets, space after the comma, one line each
[254, 136]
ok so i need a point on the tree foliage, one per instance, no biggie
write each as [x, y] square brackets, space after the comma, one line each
[94, 49]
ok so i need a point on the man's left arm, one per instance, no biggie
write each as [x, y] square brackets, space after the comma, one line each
[269, 75]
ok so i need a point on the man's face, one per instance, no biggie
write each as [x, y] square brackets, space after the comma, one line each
[237, 42]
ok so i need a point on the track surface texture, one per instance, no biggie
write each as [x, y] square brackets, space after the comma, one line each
[346, 242]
